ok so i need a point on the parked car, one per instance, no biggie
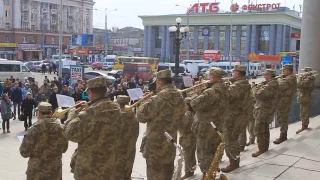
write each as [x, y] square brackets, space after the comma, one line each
[107, 66]
[115, 73]
[32, 65]
[38, 68]
[97, 65]
[94, 74]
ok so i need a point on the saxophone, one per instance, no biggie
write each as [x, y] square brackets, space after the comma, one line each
[214, 167]
[178, 168]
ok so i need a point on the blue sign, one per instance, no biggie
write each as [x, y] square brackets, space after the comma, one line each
[205, 32]
[107, 37]
[286, 60]
[82, 39]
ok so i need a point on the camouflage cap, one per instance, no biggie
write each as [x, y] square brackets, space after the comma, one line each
[164, 74]
[240, 68]
[215, 71]
[45, 107]
[121, 99]
[307, 69]
[96, 82]
[270, 71]
[188, 100]
[288, 66]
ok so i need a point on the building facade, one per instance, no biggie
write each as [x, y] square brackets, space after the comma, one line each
[267, 32]
[29, 28]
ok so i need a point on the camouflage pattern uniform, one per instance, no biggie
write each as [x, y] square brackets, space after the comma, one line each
[251, 120]
[247, 117]
[96, 129]
[210, 106]
[46, 90]
[287, 89]
[188, 140]
[266, 99]
[305, 86]
[44, 144]
[239, 92]
[126, 147]
[162, 113]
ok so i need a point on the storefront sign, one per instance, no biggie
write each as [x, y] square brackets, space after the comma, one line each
[211, 55]
[202, 8]
[258, 57]
[77, 72]
[8, 52]
[82, 51]
[95, 51]
[50, 46]
[261, 7]
[8, 45]
[29, 46]
[295, 35]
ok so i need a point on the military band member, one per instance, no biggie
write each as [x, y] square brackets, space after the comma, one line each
[251, 119]
[162, 113]
[210, 106]
[264, 109]
[126, 147]
[188, 139]
[287, 89]
[44, 145]
[239, 93]
[96, 129]
[305, 86]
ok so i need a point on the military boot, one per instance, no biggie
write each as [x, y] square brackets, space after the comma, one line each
[282, 138]
[261, 150]
[242, 148]
[187, 175]
[234, 164]
[304, 127]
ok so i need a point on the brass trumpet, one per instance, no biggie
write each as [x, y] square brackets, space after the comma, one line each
[60, 113]
[129, 108]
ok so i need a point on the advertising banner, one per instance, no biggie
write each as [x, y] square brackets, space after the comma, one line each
[82, 39]
[76, 72]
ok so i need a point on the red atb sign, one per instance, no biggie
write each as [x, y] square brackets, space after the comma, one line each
[211, 55]
[202, 8]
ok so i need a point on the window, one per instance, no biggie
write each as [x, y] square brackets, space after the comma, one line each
[129, 69]
[233, 40]
[151, 61]
[124, 60]
[160, 68]
[33, 17]
[264, 37]
[7, 14]
[33, 28]
[25, 39]
[52, 39]
[7, 27]
[144, 69]
[34, 40]
[25, 26]
[6, 2]
[222, 33]
[10, 68]
[211, 38]
[181, 69]
[25, 69]
[200, 38]
[191, 37]
[7, 38]
[243, 40]
[298, 45]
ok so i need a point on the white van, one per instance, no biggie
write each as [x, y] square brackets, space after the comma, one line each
[193, 61]
[16, 69]
[64, 56]
[182, 68]
[255, 69]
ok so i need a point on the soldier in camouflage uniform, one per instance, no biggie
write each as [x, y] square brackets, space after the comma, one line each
[287, 89]
[266, 97]
[46, 90]
[126, 147]
[96, 129]
[239, 93]
[210, 106]
[305, 86]
[188, 140]
[247, 117]
[251, 120]
[162, 113]
[44, 145]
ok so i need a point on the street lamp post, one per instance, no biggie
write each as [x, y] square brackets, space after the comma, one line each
[188, 22]
[231, 34]
[178, 33]
[60, 40]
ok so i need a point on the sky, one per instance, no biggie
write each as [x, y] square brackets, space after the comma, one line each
[128, 10]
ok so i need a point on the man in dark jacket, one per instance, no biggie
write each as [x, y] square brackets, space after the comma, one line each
[77, 95]
[27, 108]
[43, 68]
[16, 98]
[53, 99]
[65, 91]
[132, 84]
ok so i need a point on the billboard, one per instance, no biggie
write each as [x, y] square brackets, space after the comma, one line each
[82, 39]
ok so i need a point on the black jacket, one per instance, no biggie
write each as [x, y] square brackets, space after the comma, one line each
[77, 96]
[53, 101]
[28, 105]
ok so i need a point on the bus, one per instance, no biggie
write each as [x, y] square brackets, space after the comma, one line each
[120, 60]
[109, 58]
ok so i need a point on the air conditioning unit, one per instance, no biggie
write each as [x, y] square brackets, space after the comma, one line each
[53, 11]
[44, 10]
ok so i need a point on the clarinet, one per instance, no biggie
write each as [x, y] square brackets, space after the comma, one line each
[178, 168]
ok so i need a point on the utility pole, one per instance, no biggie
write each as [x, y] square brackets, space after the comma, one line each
[60, 41]
[231, 34]
[106, 32]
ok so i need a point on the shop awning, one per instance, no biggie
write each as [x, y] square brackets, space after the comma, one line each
[211, 54]
[35, 50]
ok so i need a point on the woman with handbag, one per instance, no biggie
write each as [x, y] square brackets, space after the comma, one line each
[6, 112]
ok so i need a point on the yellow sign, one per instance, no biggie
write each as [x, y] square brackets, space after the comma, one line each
[8, 45]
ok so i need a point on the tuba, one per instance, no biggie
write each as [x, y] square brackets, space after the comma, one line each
[178, 168]
[214, 166]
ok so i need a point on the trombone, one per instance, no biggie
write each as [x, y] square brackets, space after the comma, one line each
[198, 87]
[60, 113]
